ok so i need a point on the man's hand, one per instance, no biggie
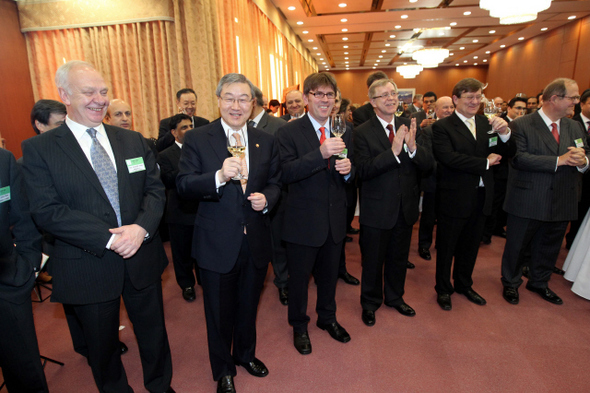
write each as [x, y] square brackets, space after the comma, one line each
[343, 166]
[494, 159]
[411, 136]
[258, 201]
[231, 167]
[498, 124]
[576, 156]
[128, 239]
[399, 139]
[332, 146]
[426, 122]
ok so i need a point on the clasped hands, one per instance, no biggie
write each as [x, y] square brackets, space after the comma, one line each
[332, 146]
[127, 240]
[230, 169]
[575, 156]
[404, 135]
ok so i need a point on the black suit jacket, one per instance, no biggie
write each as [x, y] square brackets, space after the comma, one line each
[165, 137]
[362, 114]
[387, 184]
[17, 227]
[270, 124]
[428, 181]
[178, 210]
[223, 213]
[462, 160]
[316, 201]
[68, 201]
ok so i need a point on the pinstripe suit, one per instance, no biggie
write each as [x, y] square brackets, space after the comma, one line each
[540, 200]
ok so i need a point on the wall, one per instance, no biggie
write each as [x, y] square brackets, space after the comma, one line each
[17, 93]
[353, 84]
[528, 67]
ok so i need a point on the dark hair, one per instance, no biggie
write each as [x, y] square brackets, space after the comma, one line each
[539, 95]
[258, 97]
[43, 109]
[176, 119]
[585, 96]
[430, 94]
[467, 85]
[274, 103]
[515, 100]
[313, 81]
[375, 76]
[185, 91]
[344, 105]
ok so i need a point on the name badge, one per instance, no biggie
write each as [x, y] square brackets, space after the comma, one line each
[405, 148]
[493, 141]
[135, 164]
[579, 142]
[4, 194]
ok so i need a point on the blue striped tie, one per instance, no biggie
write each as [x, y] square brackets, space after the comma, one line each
[103, 166]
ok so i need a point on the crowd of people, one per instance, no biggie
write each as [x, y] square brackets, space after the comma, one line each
[249, 188]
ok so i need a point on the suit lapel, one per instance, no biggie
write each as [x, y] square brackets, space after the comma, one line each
[253, 156]
[263, 122]
[309, 133]
[462, 129]
[545, 133]
[218, 141]
[122, 171]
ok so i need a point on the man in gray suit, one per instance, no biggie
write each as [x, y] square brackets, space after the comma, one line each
[542, 194]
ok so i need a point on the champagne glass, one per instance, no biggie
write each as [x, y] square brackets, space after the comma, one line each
[430, 113]
[237, 147]
[400, 109]
[490, 110]
[338, 129]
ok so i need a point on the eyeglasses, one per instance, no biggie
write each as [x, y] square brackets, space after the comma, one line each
[320, 95]
[390, 94]
[241, 101]
[573, 98]
[472, 98]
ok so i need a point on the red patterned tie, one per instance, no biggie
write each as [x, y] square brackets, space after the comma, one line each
[555, 132]
[391, 134]
[323, 135]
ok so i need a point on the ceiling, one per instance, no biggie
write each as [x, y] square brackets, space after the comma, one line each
[376, 29]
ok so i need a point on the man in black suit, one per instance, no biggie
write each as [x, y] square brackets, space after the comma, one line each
[365, 112]
[232, 237]
[180, 213]
[542, 194]
[294, 104]
[415, 106]
[47, 115]
[389, 162]
[263, 121]
[465, 152]
[186, 101]
[423, 118]
[315, 217]
[19, 355]
[96, 189]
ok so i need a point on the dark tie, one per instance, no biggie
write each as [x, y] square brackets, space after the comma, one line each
[252, 123]
[391, 133]
[103, 166]
[588, 127]
[555, 132]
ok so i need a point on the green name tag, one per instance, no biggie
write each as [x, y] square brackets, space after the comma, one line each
[493, 141]
[579, 142]
[4, 194]
[135, 164]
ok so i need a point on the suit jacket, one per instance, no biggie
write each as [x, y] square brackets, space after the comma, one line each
[428, 181]
[316, 201]
[16, 263]
[411, 110]
[386, 184]
[462, 160]
[165, 137]
[270, 124]
[535, 189]
[223, 213]
[286, 117]
[579, 119]
[419, 116]
[362, 114]
[178, 210]
[68, 201]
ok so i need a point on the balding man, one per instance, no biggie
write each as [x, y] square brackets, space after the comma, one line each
[295, 105]
[119, 114]
[366, 111]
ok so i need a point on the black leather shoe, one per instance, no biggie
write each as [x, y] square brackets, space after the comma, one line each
[501, 234]
[368, 317]
[189, 294]
[473, 297]
[486, 240]
[424, 253]
[336, 331]
[510, 295]
[302, 343]
[255, 367]
[124, 348]
[347, 278]
[284, 296]
[348, 239]
[353, 231]
[170, 390]
[557, 270]
[410, 265]
[525, 271]
[444, 301]
[404, 309]
[546, 294]
[226, 385]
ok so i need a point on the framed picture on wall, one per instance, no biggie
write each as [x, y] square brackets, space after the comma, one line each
[406, 95]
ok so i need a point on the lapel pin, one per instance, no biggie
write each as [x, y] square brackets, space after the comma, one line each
[257, 145]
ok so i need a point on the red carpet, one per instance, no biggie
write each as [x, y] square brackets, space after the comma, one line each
[532, 347]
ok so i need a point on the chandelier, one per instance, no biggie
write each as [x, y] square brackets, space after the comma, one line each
[409, 71]
[430, 58]
[514, 11]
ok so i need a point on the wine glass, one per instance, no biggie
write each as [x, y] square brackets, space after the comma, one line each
[400, 109]
[338, 129]
[237, 147]
[430, 113]
[490, 110]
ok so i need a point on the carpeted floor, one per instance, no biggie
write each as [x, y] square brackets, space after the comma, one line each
[532, 347]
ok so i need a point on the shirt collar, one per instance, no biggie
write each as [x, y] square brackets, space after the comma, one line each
[547, 120]
[258, 117]
[79, 129]
[463, 118]
[384, 123]
[228, 130]
[317, 125]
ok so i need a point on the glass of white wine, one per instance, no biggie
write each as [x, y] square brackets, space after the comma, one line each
[338, 129]
[237, 147]
[490, 110]
[400, 109]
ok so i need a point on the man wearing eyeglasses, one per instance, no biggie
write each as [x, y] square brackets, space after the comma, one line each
[315, 215]
[232, 235]
[465, 151]
[542, 194]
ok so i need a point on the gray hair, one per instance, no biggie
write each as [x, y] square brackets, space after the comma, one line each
[62, 75]
[379, 83]
[258, 97]
[232, 78]
[557, 87]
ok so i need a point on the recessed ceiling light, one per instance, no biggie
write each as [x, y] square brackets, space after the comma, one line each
[345, 53]
[464, 61]
[475, 57]
[492, 31]
[374, 67]
[322, 59]
[346, 62]
[467, 13]
[485, 60]
[380, 56]
[387, 44]
[344, 30]
[300, 23]
[310, 40]
[377, 61]
[346, 58]
[461, 48]
[398, 27]
[383, 51]
[453, 23]
[324, 62]
[488, 52]
[342, 5]
[475, 41]
[502, 46]
[441, 33]
[343, 20]
[571, 17]
[520, 38]
[291, 8]
[345, 46]
[413, 1]
[319, 54]
[457, 64]
[404, 16]
[344, 38]
[305, 31]
[451, 54]
[474, 64]
[315, 48]
[236, 20]
[405, 63]
[544, 29]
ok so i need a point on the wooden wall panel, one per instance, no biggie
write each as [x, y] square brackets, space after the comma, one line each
[16, 95]
[582, 70]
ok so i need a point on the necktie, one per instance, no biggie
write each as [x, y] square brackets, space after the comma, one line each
[244, 169]
[252, 123]
[555, 132]
[391, 133]
[322, 135]
[588, 127]
[471, 126]
[103, 166]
